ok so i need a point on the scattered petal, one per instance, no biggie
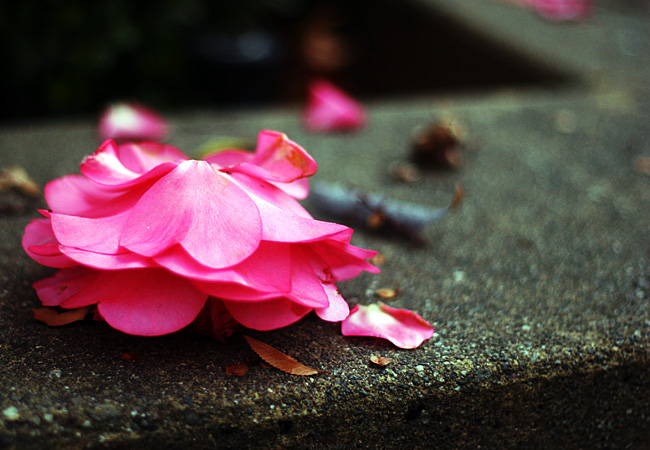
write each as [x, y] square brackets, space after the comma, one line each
[331, 109]
[55, 319]
[380, 360]
[402, 327]
[237, 370]
[278, 359]
[130, 121]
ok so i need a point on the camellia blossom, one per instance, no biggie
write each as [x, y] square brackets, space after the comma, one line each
[402, 327]
[158, 241]
[331, 109]
[132, 122]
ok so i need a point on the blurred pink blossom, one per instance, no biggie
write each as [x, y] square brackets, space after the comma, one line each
[559, 10]
[156, 240]
[331, 109]
[402, 327]
[132, 122]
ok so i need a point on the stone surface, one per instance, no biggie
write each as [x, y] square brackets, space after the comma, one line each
[538, 286]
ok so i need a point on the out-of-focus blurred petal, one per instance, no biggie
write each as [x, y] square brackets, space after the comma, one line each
[331, 109]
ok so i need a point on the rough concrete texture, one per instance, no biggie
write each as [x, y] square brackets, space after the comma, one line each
[538, 287]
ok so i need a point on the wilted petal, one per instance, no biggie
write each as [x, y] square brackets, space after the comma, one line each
[267, 314]
[146, 302]
[41, 245]
[277, 159]
[331, 109]
[129, 121]
[402, 327]
[345, 261]
[54, 291]
[194, 206]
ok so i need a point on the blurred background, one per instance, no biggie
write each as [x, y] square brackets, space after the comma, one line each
[72, 57]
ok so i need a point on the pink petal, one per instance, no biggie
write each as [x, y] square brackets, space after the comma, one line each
[225, 158]
[107, 169]
[214, 220]
[147, 302]
[298, 189]
[64, 285]
[129, 121]
[564, 10]
[100, 235]
[338, 308]
[266, 315]
[141, 157]
[277, 159]
[104, 261]
[78, 196]
[344, 260]
[331, 109]
[41, 245]
[267, 269]
[402, 327]
[276, 194]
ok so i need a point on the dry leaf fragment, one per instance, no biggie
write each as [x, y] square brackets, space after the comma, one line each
[278, 359]
[378, 260]
[55, 319]
[380, 360]
[386, 293]
[130, 356]
[16, 179]
[237, 370]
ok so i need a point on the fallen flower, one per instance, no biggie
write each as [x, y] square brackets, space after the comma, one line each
[330, 109]
[402, 327]
[559, 10]
[132, 122]
[157, 240]
[278, 359]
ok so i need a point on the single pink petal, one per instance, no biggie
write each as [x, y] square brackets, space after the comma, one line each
[78, 196]
[107, 261]
[564, 10]
[214, 220]
[129, 121]
[402, 327]
[298, 189]
[331, 109]
[100, 235]
[276, 194]
[41, 245]
[266, 315]
[344, 260]
[141, 157]
[225, 158]
[107, 169]
[338, 308]
[54, 291]
[267, 269]
[277, 159]
[146, 302]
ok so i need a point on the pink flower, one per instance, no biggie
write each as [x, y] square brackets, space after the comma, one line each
[129, 121]
[402, 327]
[331, 109]
[156, 240]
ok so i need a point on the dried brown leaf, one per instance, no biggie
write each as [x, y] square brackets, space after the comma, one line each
[386, 293]
[130, 356]
[237, 370]
[378, 260]
[278, 359]
[55, 319]
[380, 360]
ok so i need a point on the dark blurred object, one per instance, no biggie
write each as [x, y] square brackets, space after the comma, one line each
[439, 145]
